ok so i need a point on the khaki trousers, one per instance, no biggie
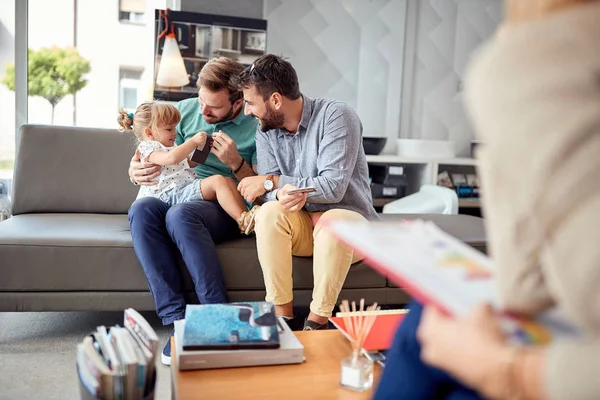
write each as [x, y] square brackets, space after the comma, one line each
[281, 234]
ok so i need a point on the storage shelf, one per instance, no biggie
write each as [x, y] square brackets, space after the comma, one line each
[469, 203]
[458, 161]
[393, 159]
[380, 202]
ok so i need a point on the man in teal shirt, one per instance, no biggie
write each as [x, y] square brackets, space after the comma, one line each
[160, 232]
[240, 129]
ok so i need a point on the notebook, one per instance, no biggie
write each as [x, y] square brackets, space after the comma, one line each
[438, 269]
[250, 325]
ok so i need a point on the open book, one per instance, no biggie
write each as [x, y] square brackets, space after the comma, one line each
[436, 268]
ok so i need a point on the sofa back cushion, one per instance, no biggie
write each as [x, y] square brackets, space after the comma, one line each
[72, 170]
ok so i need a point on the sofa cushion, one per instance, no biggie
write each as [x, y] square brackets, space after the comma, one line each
[66, 252]
[94, 252]
[72, 170]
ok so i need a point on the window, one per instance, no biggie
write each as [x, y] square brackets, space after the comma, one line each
[130, 82]
[132, 11]
[7, 95]
[100, 56]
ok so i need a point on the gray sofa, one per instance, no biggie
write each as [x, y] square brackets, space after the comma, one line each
[68, 245]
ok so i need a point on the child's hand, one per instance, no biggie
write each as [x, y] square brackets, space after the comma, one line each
[200, 139]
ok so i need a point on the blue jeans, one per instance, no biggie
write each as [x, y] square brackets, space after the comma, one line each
[159, 232]
[406, 377]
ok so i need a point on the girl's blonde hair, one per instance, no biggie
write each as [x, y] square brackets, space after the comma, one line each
[148, 115]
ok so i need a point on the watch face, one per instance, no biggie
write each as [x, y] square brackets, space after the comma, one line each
[268, 185]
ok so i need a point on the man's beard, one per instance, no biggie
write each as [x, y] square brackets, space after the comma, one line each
[227, 117]
[272, 120]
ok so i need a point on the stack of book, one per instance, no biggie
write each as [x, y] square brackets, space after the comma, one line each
[118, 362]
[234, 335]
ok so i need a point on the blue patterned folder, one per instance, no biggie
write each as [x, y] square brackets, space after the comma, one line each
[250, 325]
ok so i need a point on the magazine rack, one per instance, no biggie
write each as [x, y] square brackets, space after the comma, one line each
[86, 395]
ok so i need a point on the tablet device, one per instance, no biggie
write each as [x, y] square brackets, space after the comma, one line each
[200, 156]
[302, 190]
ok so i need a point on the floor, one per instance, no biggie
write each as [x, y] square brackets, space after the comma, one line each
[37, 353]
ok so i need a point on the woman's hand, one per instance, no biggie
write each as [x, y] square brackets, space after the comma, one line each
[472, 348]
[291, 202]
[143, 173]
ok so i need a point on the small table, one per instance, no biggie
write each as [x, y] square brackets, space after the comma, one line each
[316, 378]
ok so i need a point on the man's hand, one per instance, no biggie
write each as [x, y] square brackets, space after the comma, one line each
[252, 187]
[225, 149]
[291, 202]
[143, 173]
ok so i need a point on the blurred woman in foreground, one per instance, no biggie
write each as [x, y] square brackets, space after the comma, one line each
[533, 93]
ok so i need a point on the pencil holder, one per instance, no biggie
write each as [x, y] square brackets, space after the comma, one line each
[357, 370]
[357, 373]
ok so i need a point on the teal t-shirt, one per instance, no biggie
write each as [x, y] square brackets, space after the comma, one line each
[242, 129]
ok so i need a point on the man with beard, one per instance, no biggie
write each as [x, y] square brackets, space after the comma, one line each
[303, 142]
[160, 233]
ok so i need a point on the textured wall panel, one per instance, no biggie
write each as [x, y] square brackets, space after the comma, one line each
[446, 35]
[350, 50]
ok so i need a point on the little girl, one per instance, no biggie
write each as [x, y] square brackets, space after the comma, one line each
[154, 126]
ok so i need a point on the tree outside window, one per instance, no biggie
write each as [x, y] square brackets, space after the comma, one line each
[53, 74]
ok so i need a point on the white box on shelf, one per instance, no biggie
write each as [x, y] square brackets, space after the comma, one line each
[426, 148]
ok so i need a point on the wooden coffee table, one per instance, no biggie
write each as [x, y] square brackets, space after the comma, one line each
[317, 378]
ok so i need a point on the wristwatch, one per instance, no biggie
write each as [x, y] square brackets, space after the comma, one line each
[268, 183]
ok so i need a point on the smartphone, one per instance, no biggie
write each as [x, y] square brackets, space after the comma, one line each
[200, 156]
[302, 190]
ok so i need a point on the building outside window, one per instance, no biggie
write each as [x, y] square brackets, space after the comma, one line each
[132, 11]
[101, 39]
[7, 97]
[130, 88]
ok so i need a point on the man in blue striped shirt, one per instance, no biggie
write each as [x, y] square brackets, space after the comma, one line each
[300, 143]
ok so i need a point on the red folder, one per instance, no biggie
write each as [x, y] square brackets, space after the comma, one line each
[382, 333]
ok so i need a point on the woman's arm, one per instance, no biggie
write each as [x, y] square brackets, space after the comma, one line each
[474, 350]
[535, 87]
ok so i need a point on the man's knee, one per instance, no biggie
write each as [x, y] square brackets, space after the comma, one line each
[269, 213]
[340, 214]
[179, 213]
[147, 208]
[336, 214]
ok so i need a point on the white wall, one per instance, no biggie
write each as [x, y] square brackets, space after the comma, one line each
[442, 36]
[399, 63]
[350, 50]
